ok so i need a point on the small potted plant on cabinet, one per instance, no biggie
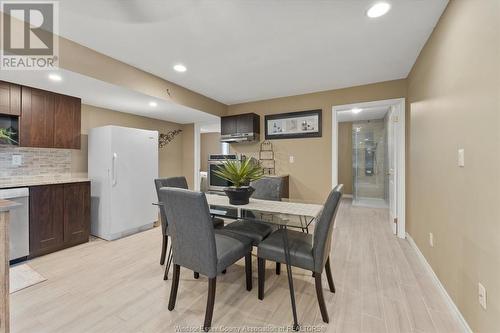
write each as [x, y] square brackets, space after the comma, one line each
[240, 174]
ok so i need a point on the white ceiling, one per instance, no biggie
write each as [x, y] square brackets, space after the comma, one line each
[105, 95]
[242, 50]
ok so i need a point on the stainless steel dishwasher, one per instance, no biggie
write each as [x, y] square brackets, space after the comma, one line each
[19, 222]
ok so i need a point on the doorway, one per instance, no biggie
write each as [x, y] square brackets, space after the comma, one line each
[368, 154]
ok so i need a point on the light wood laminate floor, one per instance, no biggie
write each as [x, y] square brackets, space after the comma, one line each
[118, 287]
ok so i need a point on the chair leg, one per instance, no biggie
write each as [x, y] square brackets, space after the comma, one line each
[261, 276]
[278, 268]
[174, 287]
[169, 263]
[321, 300]
[164, 245]
[248, 270]
[196, 275]
[210, 304]
[329, 275]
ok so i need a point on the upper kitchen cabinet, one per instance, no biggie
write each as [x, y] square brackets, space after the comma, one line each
[10, 99]
[240, 128]
[49, 120]
[67, 119]
[36, 125]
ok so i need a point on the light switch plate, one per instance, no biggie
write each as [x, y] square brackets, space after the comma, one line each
[17, 160]
[431, 239]
[292, 159]
[461, 157]
[482, 295]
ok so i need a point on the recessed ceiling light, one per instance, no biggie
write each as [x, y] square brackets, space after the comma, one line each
[180, 68]
[378, 9]
[153, 104]
[356, 110]
[55, 77]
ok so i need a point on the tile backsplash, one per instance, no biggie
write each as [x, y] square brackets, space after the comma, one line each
[37, 164]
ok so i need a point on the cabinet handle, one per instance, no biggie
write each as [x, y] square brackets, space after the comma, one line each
[114, 178]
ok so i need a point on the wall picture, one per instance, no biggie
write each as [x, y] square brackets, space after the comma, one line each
[302, 124]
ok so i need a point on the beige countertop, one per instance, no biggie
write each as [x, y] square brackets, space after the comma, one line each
[34, 182]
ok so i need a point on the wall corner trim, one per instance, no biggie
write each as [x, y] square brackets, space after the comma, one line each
[449, 301]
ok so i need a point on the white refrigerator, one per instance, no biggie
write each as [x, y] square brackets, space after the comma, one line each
[122, 166]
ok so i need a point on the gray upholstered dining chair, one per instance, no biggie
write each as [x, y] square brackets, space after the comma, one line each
[198, 247]
[310, 252]
[178, 182]
[266, 188]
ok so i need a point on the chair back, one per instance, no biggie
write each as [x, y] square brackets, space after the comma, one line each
[191, 229]
[179, 182]
[267, 188]
[324, 229]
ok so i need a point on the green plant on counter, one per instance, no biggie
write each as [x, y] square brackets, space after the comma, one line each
[240, 173]
[7, 135]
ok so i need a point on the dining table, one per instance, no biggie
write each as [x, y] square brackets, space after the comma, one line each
[283, 214]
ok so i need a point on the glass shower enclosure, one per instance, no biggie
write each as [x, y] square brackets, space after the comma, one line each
[369, 163]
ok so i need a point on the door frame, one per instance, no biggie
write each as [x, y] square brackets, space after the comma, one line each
[399, 105]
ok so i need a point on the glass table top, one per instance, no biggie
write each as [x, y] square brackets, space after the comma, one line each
[287, 213]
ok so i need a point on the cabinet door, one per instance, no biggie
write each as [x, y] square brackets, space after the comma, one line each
[244, 123]
[37, 118]
[228, 125]
[67, 115]
[46, 219]
[10, 99]
[76, 213]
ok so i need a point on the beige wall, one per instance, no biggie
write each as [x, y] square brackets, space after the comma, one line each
[454, 92]
[345, 156]
[170, 157]
[210, 144]
[310, 175]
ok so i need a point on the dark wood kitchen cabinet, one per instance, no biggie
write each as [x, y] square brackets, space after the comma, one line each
[67, 122]
[10, 98]
[36, 126]
[242, 123]
[76, 213]
[46, 219]
[49, 120]
[59, 217]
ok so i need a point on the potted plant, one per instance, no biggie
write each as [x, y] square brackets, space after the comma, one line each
[240, 174]
[7, 136]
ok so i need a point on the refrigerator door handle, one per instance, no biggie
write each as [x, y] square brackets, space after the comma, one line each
[113, 170]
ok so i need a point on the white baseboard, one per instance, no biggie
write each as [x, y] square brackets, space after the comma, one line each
[453, 307]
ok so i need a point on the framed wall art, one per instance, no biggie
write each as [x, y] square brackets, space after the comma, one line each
[293, 125]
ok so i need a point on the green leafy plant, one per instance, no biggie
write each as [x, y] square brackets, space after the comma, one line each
[7, 135]
[240, 173]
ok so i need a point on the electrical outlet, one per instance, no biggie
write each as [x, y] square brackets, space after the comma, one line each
[461, 157]
[292, 159]
[17, 160]
[431, 239]
[482, 295]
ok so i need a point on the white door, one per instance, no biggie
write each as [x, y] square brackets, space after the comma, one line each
[134, 156]
[392, 148]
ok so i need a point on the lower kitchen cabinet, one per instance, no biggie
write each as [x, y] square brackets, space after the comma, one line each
[59, 217]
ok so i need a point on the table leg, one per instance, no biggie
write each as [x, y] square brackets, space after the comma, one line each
[290, 277]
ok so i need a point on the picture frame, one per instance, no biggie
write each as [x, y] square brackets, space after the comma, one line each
[294, 125]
